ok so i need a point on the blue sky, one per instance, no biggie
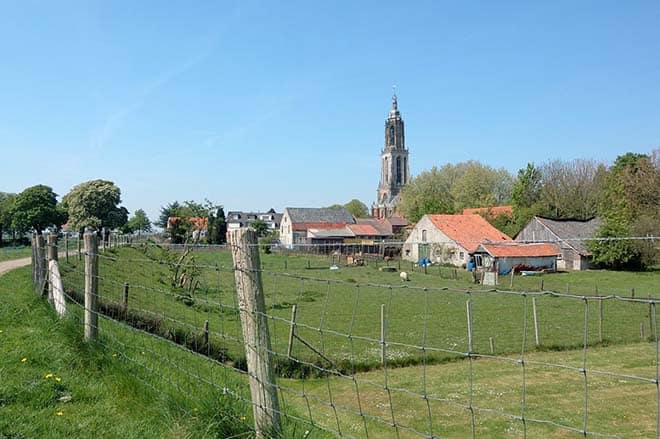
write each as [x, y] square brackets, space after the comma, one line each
[272, 104]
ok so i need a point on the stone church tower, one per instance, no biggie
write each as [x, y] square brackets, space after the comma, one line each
[395, 172]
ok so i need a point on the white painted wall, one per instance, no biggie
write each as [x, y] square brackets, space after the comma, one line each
[442, 249]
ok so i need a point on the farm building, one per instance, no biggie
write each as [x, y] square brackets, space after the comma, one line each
[297, 221]
[503, 257]
[236, 219]
[449, 239]
[569, 235]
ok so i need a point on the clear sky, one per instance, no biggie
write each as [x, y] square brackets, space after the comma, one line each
[273, 104]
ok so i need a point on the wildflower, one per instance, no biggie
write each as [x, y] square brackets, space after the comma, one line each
[58, 379]
[48, 375]
[59, 413]
[243, 418]
[114, 355]
[0, 331]
[24, 360]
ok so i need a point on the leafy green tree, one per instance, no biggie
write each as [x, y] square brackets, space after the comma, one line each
[217, 232]
[429, 192]
[6, 203]
[525, 196]
[357, 208]
[479, 185]
[36, 209]
[139, 222]
[167, 211]
[260, 227]
[95, 204]
[630, 205]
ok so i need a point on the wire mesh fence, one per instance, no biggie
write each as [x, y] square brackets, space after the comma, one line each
[358, 352]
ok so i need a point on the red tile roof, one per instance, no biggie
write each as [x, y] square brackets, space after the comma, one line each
[301, 227]
[467, 230]
[197, 222]
[521, 250]
[364, 230]
[490, 211]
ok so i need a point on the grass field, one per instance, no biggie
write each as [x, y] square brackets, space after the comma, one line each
[8, 253]
[54, 385]
[429, 311]
[426, 324]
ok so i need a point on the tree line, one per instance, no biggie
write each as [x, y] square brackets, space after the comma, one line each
[96, 205]
[625, 194]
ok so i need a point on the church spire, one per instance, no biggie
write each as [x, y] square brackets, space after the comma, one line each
[395, 106]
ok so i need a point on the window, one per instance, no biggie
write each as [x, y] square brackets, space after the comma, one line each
[423, 235]
[461, 255]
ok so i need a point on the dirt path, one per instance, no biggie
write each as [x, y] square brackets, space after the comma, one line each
[6, 266]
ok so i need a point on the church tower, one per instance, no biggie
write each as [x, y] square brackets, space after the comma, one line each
[395, 172]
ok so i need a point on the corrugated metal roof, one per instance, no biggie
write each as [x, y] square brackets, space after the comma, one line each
[515, 249]
[467, 230]
[573, 231]
[330, 233]
[298, 227]
[364, 230]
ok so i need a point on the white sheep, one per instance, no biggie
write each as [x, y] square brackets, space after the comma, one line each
[404, 276]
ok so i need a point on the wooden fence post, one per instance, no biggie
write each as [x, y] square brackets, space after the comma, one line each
[468, 305]
[91, 285]
[42, 265]
[252, 310]
[66, 247]
[537, 338]
[383, 329]
[125, 302]
[600, 320]
[491, 341]
[51, 240]
[33, 249]
[292, 332]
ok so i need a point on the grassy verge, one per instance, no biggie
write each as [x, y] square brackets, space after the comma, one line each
[55, 385]
[9, 253]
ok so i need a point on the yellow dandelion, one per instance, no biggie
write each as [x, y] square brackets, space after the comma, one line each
[59, 413]
[58, 379]
[24, 360]
[48, 375]
[243, 418]
[114, 355]
[0, 331]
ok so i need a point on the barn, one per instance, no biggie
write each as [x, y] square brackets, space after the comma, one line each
[503, 257]
[449, 239]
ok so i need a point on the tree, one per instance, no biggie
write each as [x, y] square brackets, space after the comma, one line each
[452, 188]
[36, 209]
[479, 185]
[429, 192]
[630, 206]
[6, 203]
[139, 222]
[357, 208]
[525, 196]
[570, 189]
[170, 210]
[217, 232]
[260, 227]
[95, 204]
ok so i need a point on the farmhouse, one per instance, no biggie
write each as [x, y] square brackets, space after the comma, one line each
[502, 257]
[236, 219]
[321, 223]
[449, 239]
[569, 235]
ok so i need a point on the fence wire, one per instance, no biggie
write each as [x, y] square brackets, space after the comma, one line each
[360, 353]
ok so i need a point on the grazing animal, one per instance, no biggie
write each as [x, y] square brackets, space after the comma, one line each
[404, 276]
